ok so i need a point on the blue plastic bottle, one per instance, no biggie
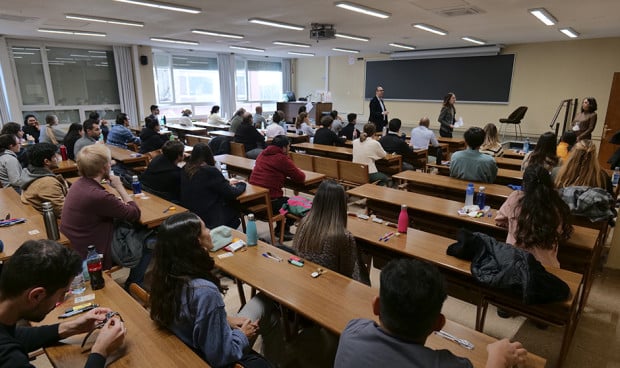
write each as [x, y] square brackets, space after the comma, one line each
[616, 178]
[526, 145]
[251, 234]
[135, 185]
[481, 198]
[469, 195]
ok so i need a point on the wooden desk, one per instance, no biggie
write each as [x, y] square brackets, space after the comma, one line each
[454, 144]
[245, 166]
[450, 188]
[151, 206]
[186, 129]
[145, 343]
[509, 163]
[68, 166]
[33, 229]
[293, 137]
[504, 176]
[224, 133]
[332, 300]
[512, 153]
[126, 156]
[444, 146]
[211, 126]
[387, 164]
[439, 216]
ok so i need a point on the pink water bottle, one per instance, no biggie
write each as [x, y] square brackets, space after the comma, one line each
[63, 152]
[403, 219]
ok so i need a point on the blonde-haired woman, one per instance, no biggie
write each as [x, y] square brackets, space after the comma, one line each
[366, 150]
[302, 125]
[323, 238]
[582, 168]
[491, 145]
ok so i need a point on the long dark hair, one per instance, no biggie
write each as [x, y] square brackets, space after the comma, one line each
[179, 259]
[201, 154]
[544, 218]
[545, 152]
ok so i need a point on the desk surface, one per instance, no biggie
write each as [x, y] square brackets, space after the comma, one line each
[511, 153]
[341, 151]
[33, 229]
[509, 163]
[332, 300]
[191, 129]
[582, 237]
[513, 176]
[66, 167]
[247, 165]
[224, 133]
[212, 126]
[151, 206]
[124, 155]
[145, 343]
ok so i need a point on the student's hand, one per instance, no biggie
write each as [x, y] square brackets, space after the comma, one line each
[249, 329]
[115, 182]
[111, 337]
[237, 322]
[506, 354]
[452, 126]
[85, 323]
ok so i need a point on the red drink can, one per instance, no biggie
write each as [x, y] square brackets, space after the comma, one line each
[63, 152]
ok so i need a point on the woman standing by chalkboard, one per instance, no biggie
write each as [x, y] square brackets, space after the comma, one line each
[447, 116]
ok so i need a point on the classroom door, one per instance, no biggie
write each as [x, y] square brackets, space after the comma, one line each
[612, 123]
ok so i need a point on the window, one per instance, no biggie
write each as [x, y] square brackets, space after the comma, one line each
[258, 83]
[184, 81]
[66, 81]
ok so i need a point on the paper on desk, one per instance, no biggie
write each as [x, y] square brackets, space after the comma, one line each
[309, 106]
[458, 123]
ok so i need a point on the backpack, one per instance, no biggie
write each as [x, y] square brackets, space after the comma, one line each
[297, 206]
[127, 243]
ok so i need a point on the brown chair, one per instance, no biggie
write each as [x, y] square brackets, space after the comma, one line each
[148, 157]
[133, 147]
[352, 174]
[141, 295]
[326, 166]
[237, 149]
[302, 161]
[192, 139]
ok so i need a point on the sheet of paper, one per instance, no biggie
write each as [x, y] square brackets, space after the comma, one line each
[309, 107]
[458, 123]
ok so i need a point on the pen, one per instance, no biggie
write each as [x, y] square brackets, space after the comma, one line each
[170, 208]
[274, 256]
[383, 236]
[390, 235]
[266, 255]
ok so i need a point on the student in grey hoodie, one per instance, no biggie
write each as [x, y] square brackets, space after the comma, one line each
[10, 169]
[39, 183]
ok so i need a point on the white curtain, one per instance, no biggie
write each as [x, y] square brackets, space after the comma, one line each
[126, 85]
[286, 75]
[5, 115]
[226, 66]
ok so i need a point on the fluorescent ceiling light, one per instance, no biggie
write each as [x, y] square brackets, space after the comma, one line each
[362, 9]
[300, 53]
[401, 46]
[97, 52]
[105, 20]
[161, 5]
[570, 32]
[352, 37]
[346, 50]
[217, 34]
[22, 53]
[427, 28]
[287, 43]
[544, 16]
[72, 32]
[271, 23]
[247, 48]
[172, 40]
[487, 50]
[473, 40]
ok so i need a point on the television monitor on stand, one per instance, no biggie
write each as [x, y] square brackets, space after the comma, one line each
[289, 96]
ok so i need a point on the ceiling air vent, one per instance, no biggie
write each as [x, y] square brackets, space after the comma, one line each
[456, 12]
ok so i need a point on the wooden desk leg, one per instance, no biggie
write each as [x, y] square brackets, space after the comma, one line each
[241, 292]
[481, 314]
[269, 219]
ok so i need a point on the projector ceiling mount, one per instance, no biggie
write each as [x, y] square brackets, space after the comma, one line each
[320, 31]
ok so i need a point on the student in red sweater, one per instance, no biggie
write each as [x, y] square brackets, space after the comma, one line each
[272, 168]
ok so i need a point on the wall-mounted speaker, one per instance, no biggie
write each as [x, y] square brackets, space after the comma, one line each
[144, 60]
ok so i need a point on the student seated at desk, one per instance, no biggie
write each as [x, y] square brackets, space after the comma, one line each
[349, 130]
[163, 175]
[366, 150]
[492, 145]
[582, 169]
[275, 129]
[39, 183]
[567, 141]
[544, 154]
[187, 298]
[10, 168]
[214, 116]
[322, 236]
[206, 192]
[536, 217]
[325, 135]
[150, 139]
[37, 277]
[394, 143]
[409, 312]
[16, 129]
[253, 141]
[470, 164]
[120, 134]
[302, 125]
[76, 131]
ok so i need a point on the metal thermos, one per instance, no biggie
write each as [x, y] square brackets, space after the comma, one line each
[49, 218]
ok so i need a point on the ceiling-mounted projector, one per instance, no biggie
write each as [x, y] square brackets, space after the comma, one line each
[322, 31]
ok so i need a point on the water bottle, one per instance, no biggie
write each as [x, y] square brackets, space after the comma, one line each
[251, 233]
[95, 268]
[526, 145]
[49, 218]
[135, 185]
[163, 120]
[469, 195]
[78, 286]
[616, 176]
[225, 171]
[481, 198]
[403, 219]
[63, 152]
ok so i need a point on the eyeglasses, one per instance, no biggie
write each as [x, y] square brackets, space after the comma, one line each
[379, 90]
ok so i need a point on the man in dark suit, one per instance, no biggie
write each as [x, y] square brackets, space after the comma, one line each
[378, 112]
